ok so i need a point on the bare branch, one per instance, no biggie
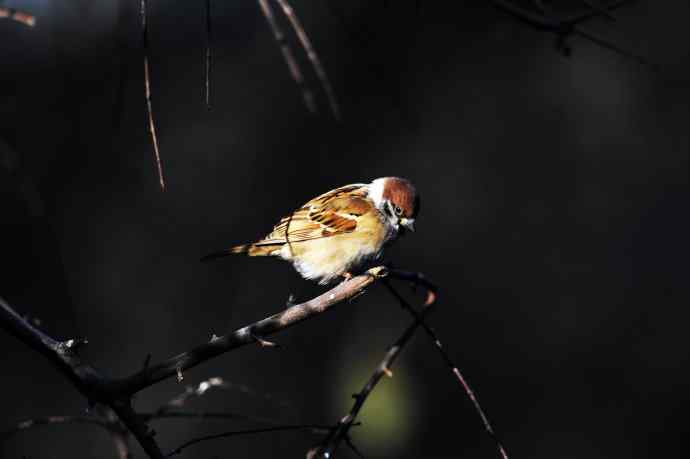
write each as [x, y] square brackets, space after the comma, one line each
[318, 429]
[110, 423]
[454, 368]
[340, 432]
[52, 420]
[311, 54]
[191, 391]
[141, 431]
[596, 6]
[117, 394]
[565, 26]
[94, 386]
[591, 36]
[17, 16]
[246, 335]
[289, 57]
[147, 90]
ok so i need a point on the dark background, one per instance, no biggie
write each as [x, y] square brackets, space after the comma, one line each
[555, 220]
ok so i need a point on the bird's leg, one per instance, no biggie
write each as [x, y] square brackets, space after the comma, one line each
[347, 275]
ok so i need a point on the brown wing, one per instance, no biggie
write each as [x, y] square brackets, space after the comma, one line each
[332, 213]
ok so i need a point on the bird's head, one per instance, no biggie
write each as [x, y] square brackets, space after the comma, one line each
[397, 199]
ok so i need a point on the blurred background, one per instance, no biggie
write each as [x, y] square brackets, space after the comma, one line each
[555, 219]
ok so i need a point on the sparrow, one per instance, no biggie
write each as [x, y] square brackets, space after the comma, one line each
[340, 231]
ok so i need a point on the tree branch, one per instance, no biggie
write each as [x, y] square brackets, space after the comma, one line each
[248, 335]
[108, 422]
[453, 368]
[341, 430]
[305, 427]
[147, 93]
[116, 394]
[288, 55]
[312, 56]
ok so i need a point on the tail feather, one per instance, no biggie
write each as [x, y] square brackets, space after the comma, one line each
[251, 250]
[244, 248]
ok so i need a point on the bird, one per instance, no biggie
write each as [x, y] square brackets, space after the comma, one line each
[339, 232]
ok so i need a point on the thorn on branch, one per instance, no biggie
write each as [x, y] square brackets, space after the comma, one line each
[75, 343]
[35, 321]
[291, 301]
[147, 361]
[263, 342]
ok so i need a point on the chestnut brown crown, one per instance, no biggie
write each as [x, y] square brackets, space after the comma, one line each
[403, 195]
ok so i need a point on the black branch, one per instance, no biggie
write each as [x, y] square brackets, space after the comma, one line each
[116, 394]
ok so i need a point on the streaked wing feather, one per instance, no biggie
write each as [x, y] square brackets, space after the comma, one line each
[332, 213]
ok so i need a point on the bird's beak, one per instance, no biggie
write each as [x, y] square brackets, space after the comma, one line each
[407, 223]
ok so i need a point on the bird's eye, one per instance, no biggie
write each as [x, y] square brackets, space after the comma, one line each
[398, 210]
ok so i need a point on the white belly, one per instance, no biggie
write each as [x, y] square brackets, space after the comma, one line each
[329, 258]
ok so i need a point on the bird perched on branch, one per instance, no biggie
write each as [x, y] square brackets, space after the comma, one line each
[340, 231]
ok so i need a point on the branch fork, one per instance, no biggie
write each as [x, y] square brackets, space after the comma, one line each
[116, 394]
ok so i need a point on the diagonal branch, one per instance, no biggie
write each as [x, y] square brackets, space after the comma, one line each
[247, 335]
[311, 54]
[565, 26]
[288, 55]
[341, 430]
[454, 368]
[117, 394]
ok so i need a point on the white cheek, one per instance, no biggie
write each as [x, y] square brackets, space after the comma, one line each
[376, 192]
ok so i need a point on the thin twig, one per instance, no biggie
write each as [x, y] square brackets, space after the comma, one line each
[599, 8]
[288, 55]
[224, 384]
[51, 420]
[565, 26]
[18, 16]
[311, 54]
[191, 391]
[138, 427]
[147, 89]
[591, 36]
[318, 429]
[118, 433]
[207, 65]
[340, 432]
[454, 368]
